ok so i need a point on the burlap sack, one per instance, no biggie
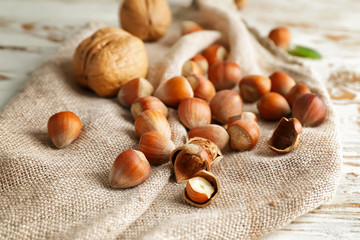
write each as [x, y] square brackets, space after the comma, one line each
[49, 193]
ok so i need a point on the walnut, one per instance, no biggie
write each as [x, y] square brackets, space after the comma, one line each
[146, 19]
[108, 59]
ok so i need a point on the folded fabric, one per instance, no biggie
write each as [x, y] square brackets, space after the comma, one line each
[49, 193]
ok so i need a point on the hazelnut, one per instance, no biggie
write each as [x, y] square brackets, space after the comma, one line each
[187, 160]
[147, 19]
[174, 90]
[202, 189]
[194, 112]
[252, 87]
[108, 59]
[244, 116]
[309, 109]
[224, 75]
[295, 92]
[244, 134]
[151, 120]
[202, 62]
[281, 37]
[224, 104]
[145, 103]
[63, 128]
[202, 87]
[285, 137]
[199, 189]
[273, 106]
[129, 169]
[212, 132]
[138, 87]
[188, 27]
[215, 53]
[281, 83]
[156, 147]
[190, 67]
[240, 4]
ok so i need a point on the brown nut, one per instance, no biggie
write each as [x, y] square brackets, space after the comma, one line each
[281, 37]
[273, 106]
[309, 109]
[151, 120]
[203, 183]
[145, 103]
[189, 68]
[212, 132]
[285, 137]
[252, 87]
[215, 53]
[129, 169]
[199, 190]
[224, 75]
[108, 59]
[138, 87]
[244, 134]
[187, 160]
[63, 128]
[156, 147]
[194, 112]
[244, 116]
[224, 104]
[202, 62]
[188, 27]
[281, 83]
[240, 4]
[146, 19]
[202, 87]
[174, 90]
[295, 92]
[210, 147]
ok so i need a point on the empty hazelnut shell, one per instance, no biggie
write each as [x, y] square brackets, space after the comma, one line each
[213, 180]
[187, 160]
[285, 136]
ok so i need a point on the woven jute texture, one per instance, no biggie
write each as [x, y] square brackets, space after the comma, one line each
[49, 193]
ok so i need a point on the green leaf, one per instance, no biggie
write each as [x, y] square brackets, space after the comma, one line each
[301, 51]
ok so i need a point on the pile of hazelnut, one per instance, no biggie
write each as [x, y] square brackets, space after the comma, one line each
[208, 106]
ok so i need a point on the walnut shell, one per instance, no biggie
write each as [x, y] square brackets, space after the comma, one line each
[146, 19]
[108, 59]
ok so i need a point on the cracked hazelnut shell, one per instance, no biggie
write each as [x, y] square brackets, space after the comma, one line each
[285, 136]
[213, 180]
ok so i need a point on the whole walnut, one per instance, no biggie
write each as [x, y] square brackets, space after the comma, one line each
[146, 19]
[108, 59]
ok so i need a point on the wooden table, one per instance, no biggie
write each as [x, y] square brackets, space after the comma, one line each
[30, 30]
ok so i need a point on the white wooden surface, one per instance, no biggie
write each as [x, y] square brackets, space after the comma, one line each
[30, 30]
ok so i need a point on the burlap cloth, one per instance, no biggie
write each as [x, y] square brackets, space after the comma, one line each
[48, 193]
